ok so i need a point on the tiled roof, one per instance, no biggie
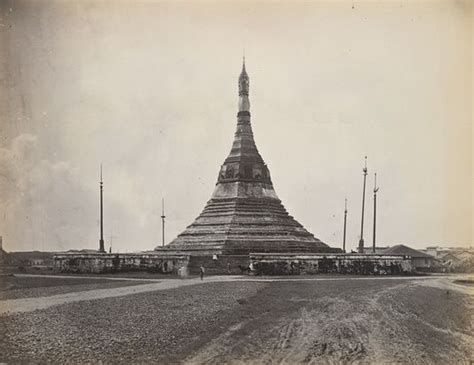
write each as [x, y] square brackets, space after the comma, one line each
[405, 250]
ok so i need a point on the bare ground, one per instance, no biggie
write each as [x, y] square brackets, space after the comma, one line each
[15, 287]
[329, 321]
[371, 321]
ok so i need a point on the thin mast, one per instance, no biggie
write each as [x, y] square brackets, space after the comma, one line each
[376, 189]
[345, 221]
[163, 221]
[361, 241]
[101, 240]
[111, 238]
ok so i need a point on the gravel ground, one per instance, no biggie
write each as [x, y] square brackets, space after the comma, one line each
[156, 326]
[368, 321]
[13, 287]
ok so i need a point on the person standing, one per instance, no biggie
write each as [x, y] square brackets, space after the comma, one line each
[201, 272]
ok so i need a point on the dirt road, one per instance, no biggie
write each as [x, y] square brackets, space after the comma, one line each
[414, 321]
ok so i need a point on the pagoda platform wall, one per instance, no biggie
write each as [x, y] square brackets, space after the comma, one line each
[350, 264]
[101, 263]
[184, 264]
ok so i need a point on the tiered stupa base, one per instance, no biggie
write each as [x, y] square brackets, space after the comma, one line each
[243, 225]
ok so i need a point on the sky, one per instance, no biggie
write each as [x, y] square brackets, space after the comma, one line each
[149, 89]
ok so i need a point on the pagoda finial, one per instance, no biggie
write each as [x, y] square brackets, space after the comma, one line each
[244, 103]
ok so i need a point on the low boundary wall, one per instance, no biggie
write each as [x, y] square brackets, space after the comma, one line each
[258, 263]
[120, 262]
[353, 264]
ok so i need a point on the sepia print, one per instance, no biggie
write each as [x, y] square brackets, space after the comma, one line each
[236, 182]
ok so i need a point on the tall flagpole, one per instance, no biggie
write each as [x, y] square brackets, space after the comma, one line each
[163, 221]
[345, 221]
[101, 240]
[375, 210]
[361, 241]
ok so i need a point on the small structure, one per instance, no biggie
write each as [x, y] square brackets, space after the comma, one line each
[420, 260]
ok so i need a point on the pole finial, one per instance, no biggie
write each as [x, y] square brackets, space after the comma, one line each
[101, 173]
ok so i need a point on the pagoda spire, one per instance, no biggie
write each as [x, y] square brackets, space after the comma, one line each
[244, 102]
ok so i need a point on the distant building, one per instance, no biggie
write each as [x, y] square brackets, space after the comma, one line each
[83, 251]
[420, 260]
[435, 251]
[31, 258]
[439, 251]
[465, 254]
[450, 261]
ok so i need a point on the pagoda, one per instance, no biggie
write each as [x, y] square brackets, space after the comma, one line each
[244, 214]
